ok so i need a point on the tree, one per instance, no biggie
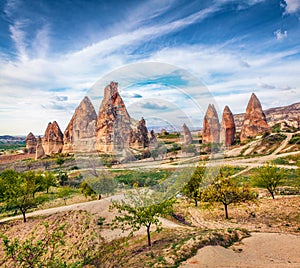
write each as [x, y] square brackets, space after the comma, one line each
[154, 154]
[60, 161]
[86, 190]
[193, 188]
[103, 184]
[19, 190]
[227, 191]
[269, 177]
[48, 180]
[141, 208]
[62, 177]
[64, 193]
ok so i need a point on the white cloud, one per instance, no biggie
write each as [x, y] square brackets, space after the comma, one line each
[291, 6]
[280, 35]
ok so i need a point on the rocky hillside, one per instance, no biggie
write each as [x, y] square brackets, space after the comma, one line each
[290, 114]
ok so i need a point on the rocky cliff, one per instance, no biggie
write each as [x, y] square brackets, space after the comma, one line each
[254, 122]
[81, 130]
[187, 136]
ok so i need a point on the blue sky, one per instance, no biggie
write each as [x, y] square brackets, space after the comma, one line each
[53, 52]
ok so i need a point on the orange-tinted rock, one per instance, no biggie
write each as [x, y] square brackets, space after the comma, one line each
[187, 136]
[227, 132]
[211, 126]
[113, 131]
[81, 130]
[30, 143]
[53, 139]
[39, 152]
[254, 122]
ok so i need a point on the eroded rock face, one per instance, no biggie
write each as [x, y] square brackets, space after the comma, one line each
[53, 139]
[227, 133]
[187, 136]
[80, 134]
[211, 126]
[152, 139]
[140, 137]
[254, 122]
[39, 152]
[31, 143]
[114, 130]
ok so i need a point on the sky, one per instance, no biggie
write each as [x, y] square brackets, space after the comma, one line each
[171, 58]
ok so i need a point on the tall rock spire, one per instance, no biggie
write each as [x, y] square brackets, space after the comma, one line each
[227, 133]
[31, 143]
[254, 122]
[53, 139]
[113, 123]
[81, 130]
[187, 136]
[211, 126]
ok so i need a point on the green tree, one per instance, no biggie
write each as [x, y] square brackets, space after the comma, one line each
[154, 154]
[19, 190]
[48, 180]
[193, 188]
[62, 177]
[269, 177]
[60, 161]
[102, 185]
[227, 191]
[141, 208]
[36, 253]
[65, 192]
[86, 190]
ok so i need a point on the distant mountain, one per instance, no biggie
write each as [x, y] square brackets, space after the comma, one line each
[8, 139]
[289, 114]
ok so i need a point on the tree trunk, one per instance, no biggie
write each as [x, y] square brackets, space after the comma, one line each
[47, 190]
[148, 235]
[196, 202]
[24, 216]
[226, 211]
[272, 194]
[99, 197]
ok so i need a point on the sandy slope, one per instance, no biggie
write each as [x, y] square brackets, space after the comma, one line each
[265, 250]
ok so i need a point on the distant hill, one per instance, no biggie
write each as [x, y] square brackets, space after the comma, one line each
[12, 140]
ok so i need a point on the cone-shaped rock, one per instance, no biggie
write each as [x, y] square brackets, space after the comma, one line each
[113, 124]
[53, 139]
[81, 130]
[254, 122]
[152, 139]
[39, 153]
[187, 136]
[140, 137]
[227, 133]
[211, 126]
[30, 143]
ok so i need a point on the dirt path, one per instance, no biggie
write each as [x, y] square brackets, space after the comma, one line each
[261, 250]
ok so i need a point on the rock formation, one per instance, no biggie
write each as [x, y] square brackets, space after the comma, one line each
[211, 126]
[116, 131]
[81, 130]
[187, 136]
[152, 139]
[39, 152]
[139, 138]
[30, 143]
[53, 139]
[289, 115]
[227, 133]
[254, 122]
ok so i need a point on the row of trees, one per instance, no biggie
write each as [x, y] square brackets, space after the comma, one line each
[227, 190]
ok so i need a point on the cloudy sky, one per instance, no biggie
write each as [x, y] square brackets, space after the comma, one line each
[167, 55]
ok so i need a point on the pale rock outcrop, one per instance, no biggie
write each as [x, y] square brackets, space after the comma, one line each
[53, 139]
[254, 122]
[211, 126]
[227, 133]
[80, 134]
[30, 143]
[39, 152]
[187, 136]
